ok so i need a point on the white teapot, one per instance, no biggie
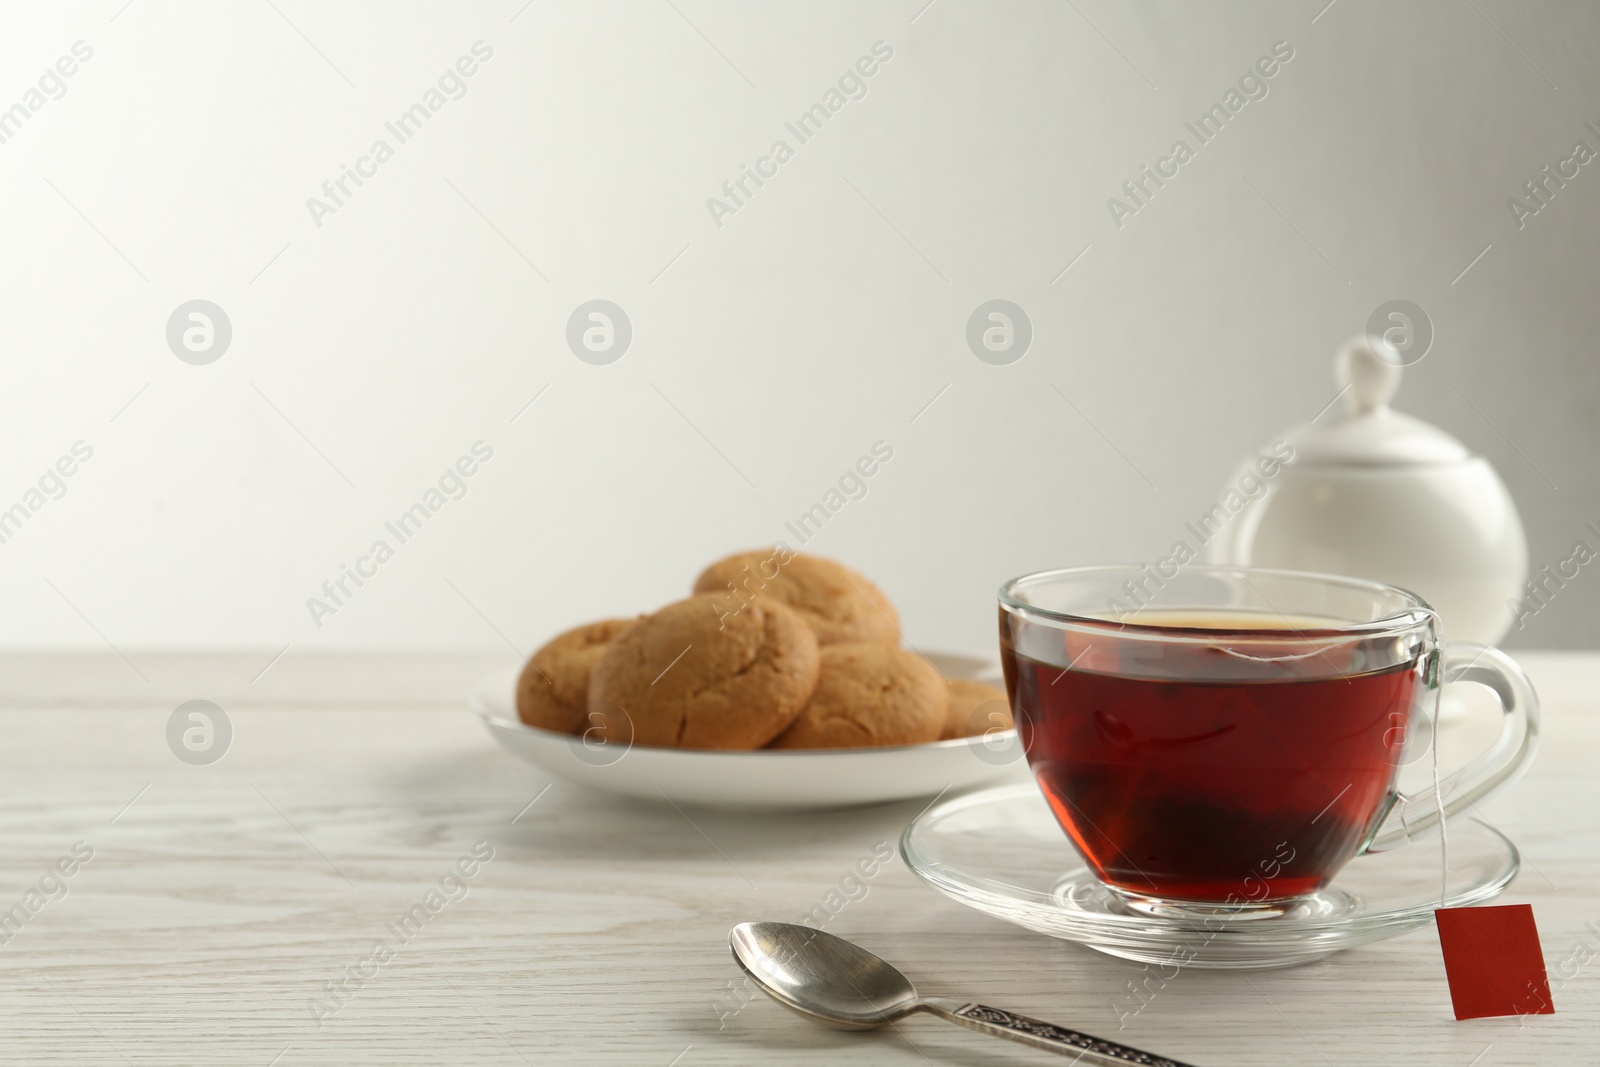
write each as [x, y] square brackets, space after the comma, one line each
[1371, 493]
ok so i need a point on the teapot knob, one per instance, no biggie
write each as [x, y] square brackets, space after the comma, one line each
[1371, 379]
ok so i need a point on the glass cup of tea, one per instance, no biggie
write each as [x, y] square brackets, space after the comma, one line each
[1220, 741]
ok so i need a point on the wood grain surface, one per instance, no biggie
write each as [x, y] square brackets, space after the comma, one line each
[223, 904]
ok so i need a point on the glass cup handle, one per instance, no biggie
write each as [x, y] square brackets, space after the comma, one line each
[1409, 816]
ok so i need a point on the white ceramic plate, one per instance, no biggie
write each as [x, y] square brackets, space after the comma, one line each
[761, 780]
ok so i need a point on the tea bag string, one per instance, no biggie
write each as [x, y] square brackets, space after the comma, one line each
[1438, 791]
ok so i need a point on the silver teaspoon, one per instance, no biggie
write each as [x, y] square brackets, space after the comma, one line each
[828, 979]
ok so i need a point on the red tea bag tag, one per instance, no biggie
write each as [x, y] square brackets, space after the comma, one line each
[1493, 961]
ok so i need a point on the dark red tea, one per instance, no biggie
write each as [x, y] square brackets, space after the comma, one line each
[1228, 773]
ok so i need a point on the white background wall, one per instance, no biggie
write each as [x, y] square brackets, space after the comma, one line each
[776, 348]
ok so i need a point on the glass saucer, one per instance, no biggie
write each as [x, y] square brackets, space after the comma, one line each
[1002, 852]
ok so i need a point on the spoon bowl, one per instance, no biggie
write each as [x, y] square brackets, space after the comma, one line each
[822, 976]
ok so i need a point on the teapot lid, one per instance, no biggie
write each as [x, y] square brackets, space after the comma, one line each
[1360, 427]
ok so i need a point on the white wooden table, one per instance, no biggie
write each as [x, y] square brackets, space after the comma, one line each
[221, 902]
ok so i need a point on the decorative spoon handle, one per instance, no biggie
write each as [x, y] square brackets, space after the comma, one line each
[987, 1020]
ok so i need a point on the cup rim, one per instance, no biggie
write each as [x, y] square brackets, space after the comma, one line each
[1419, 612]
